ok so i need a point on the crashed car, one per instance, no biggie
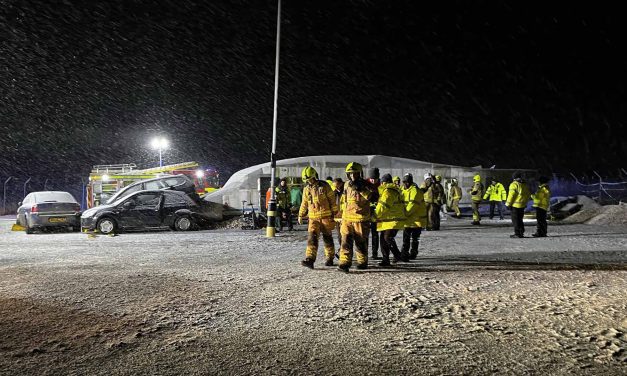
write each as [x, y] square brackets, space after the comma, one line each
[145, 210]
[48, 210]
[180, 183]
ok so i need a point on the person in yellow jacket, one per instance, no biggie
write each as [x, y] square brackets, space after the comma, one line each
[416, 211]
[438, 201]
[427, 189]
[455, 194]
[356, 217]
[397, 181]
[541, 201]
[390, 215]
[496, 194]
[517, 199]
[284, 205]
[476, 192]
[320, 206]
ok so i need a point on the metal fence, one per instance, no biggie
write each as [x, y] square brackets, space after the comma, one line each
[602, 190]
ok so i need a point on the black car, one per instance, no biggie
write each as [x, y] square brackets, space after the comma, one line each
[167, 182]
[145, 210]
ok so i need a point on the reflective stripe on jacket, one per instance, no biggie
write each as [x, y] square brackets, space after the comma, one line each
[542, 198]
[357, 199]
[518, 195]
[495, 192]
[390, 210]
[455, 192]
[318, 201]
[476, 191]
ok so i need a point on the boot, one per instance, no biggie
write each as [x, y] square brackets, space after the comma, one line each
[309, 263]
[344, 268]
[376, 257]
[384, 263]
[362, 266]
[329, 262]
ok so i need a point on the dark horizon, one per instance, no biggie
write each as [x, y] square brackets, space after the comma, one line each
[465, 84]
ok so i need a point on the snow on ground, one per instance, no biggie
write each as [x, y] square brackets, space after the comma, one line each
[234, 302]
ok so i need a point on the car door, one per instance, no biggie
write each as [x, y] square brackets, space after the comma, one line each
[142, 212]
[24, 207]
[172, 202]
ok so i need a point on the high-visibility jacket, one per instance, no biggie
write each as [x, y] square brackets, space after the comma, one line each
[282, 197]
[476, 191]
[357, 198]
[542, 197]
[495, 192]
[518, 194]
[415, 207]
[428, 193]
[390, 210]
[455, 192]
[318, 201]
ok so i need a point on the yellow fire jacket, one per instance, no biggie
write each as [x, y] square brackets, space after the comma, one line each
[357, 198]
[318, 201]
[495, 192]
[414, 207]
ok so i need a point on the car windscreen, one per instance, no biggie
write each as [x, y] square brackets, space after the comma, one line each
[124, 192]
[54, 197]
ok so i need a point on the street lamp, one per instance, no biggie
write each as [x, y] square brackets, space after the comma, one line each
[160, 143]
[46, 184]
[4, 196]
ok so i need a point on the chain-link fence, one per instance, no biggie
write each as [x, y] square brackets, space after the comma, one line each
[602, 190]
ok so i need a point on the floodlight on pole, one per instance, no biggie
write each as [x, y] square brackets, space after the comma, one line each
[272, 210]
[25, 184]
[46, 184]
[160, 143]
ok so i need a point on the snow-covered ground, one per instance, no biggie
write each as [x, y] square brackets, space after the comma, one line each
[235, 302]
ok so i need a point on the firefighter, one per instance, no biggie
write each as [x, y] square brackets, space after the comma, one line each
[476, 192]
[427, 189]
[416, 217]
[338, 190]
[438, 201]
[391, 217]
[397, 181]
[496, 194]
[284, 205]
[541, 200]
[455, 194]
[356, 217]
[319, 205]
[516, 202]
[373, 178]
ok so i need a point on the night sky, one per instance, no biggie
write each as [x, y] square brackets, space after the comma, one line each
[467, 83]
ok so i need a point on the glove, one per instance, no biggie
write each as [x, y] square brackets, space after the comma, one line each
[300, 220]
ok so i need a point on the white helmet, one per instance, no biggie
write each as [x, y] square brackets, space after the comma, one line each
[427, 176]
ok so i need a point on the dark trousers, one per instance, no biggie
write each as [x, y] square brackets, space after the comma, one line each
[499, 205]
[388, 244]
[517, 220]
[284, 214]
[411, 240]
[375, 239]
[542, 225]
[435, 217]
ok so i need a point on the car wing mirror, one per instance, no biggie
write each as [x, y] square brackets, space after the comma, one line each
[128, 205]
[19, 203]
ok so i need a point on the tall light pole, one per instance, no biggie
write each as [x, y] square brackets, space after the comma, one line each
[46, 184]
[25, 184]
[270, 228]
[160, 144]
[4, 196]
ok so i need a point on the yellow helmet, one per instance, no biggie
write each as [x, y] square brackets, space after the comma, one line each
[476, 178]
[354, 167]
[396, 178]
[438, 178]
[308, 173]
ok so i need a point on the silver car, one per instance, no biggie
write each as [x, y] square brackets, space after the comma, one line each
[49, 209]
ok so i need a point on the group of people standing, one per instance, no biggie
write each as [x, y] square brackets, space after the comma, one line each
[381, 207]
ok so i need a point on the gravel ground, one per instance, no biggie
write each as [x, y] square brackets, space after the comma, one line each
[233, 302]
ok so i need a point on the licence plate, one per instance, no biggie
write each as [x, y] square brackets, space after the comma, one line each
[57, 219]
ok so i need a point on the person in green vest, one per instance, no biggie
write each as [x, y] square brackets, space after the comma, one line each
[284, 206]
[496, 194]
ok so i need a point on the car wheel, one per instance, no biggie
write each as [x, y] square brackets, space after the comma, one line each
[106, 226]
[183, 223]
